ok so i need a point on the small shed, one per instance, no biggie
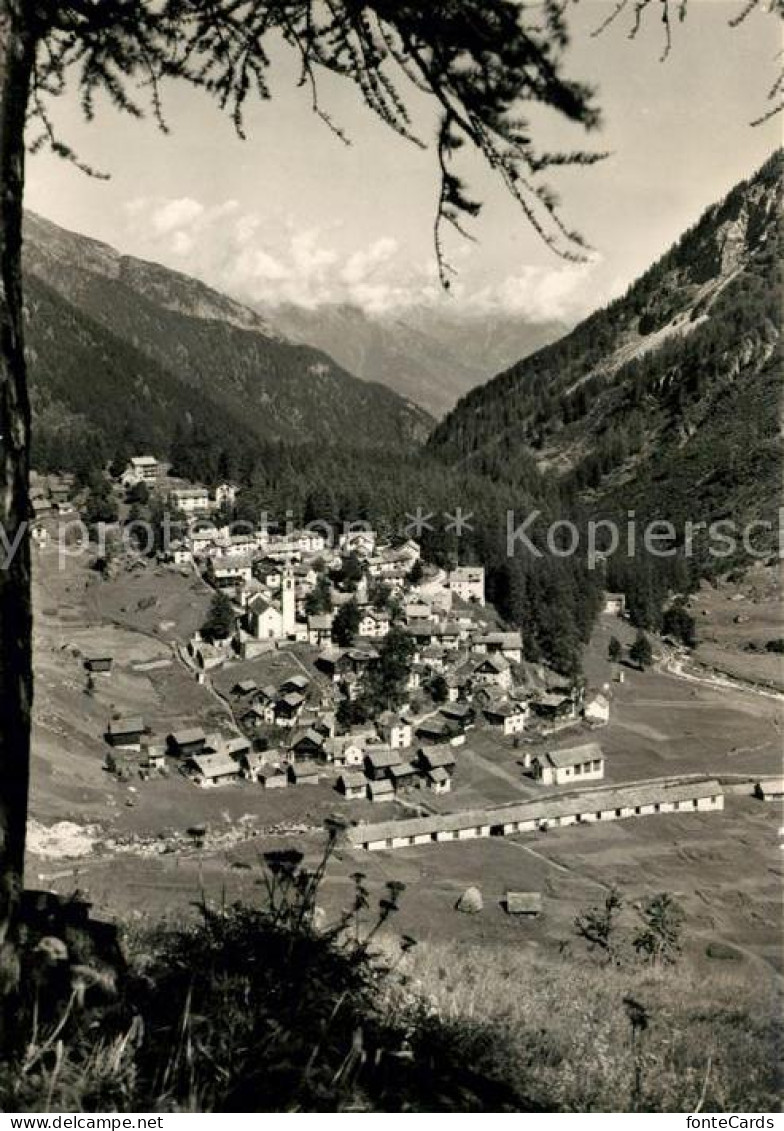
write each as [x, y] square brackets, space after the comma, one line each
[381, 790]
[352, 785]
[526, 903]
[271, 777]
[102, 664]
[126, 733]
[183, 743]
[244, 687]
[304, 773]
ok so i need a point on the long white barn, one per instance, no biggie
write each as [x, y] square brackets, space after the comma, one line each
[644, 799]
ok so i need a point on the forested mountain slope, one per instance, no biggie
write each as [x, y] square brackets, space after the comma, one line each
[667, 400]
[196, 346]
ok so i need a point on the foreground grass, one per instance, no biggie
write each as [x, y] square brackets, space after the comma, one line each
[582, 1037]
[266, 1009]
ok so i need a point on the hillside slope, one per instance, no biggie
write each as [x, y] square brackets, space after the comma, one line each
[209, 346]
[666, 400]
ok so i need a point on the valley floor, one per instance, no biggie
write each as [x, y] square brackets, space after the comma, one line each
[136, 861]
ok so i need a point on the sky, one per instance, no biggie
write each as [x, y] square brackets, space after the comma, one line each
[293, 215]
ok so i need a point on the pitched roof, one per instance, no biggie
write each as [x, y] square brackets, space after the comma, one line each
[572, 755]
[381, 757]
[186, 737]
[129, 725]
[304, 770]
[438, 774]
[383, 786]
[353, 780]
[545, 808]
[440, 757]
[215, 765]
[401, 770]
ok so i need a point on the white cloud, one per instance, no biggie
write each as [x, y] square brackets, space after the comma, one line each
[270, 264]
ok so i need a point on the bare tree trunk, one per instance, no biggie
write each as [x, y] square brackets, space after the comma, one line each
[17, 56]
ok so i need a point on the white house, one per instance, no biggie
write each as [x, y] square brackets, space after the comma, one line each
[225, 493]
[394, 730]
[359, 542]
[493, 671]
[510, 716]
[374, 623]
[573, 764]
[140, 469]
[615, 603]
[468, 583]
[190, 500]
[597, 710]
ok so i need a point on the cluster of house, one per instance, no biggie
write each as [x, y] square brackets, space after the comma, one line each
[51, 496]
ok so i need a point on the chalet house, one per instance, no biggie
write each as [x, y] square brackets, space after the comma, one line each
[126, 734]
[381, 790]
[428, 760]
[493, 671]
[309, 744]
[303, 773]
[435, 730]
[140, 469]
[438, 780]
[458, 715]
[432, 657]
[526, 903]
[615, 603]
[378, 761]
[417, 612]
[359, 542]
[99, 664]
[202, 541]
[554, 705]
[468, 583]
[252, 763]
[374, 623]
[256, 717]
[449, 635]
[510, 716]
[574, 764]
[345, 749]
[226, 570]
[597, 710]
[395, 731]
[237, 748]
[320, 629]
[294, 683]
[208, 770]
[244, 687]
[181, 553]
[225, 494]
[287, 709]
[352, 785]
[153, 757]
[402, 775]
[507, 644]
[190, 500]
[272, 777]
[184, 743]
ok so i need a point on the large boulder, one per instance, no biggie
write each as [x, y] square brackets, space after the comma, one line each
[470, 902]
